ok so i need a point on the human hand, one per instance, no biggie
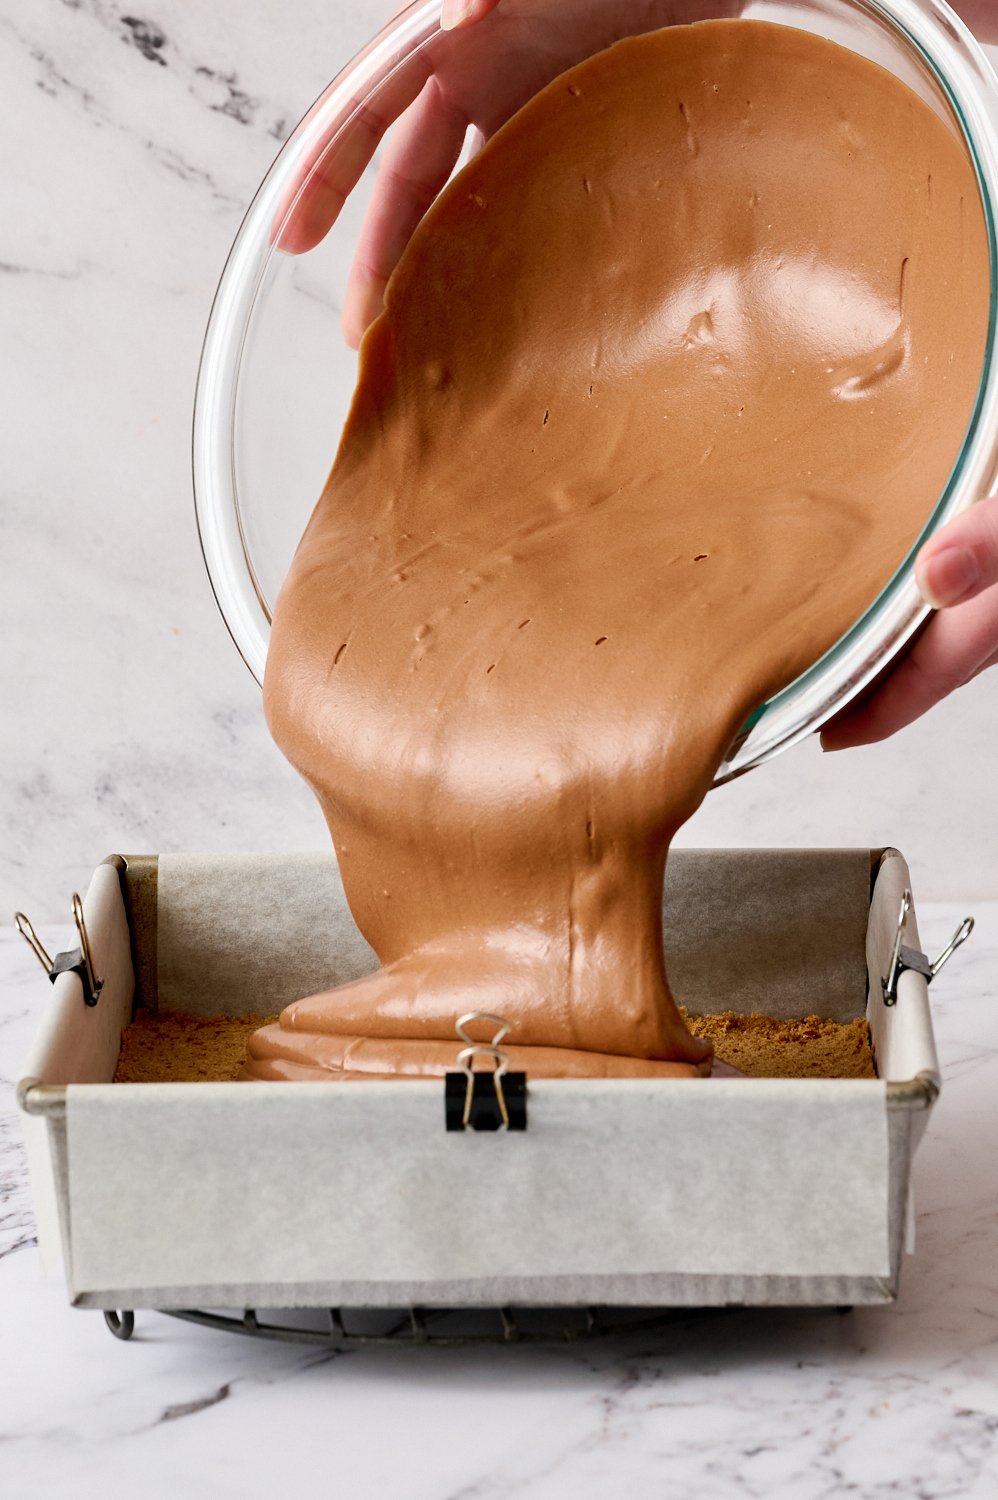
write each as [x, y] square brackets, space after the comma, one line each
[981, 16]
[478, 81]
[488, 60]
[471, 82]
[957, 572]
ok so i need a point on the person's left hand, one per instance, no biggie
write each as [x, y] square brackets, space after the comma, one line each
[957, 572]
[488, 59]
[505, 52]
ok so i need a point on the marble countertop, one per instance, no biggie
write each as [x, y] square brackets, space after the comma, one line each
[899, 1401]
[140, 138]
[140, 141]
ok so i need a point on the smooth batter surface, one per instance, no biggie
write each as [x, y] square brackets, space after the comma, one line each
[669, 381]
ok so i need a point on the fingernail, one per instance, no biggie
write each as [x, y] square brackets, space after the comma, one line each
[948, 576]
[452, 13]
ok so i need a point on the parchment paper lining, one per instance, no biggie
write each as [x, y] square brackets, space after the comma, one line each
[319, 1182]
[304, 1185]
[777, 931]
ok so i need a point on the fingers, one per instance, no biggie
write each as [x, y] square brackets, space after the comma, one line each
[455, 13]
[418, 160]
[980, 16]
[957, 572]
[956, 646]
[324, 179]
[962, 560]
[320, 187]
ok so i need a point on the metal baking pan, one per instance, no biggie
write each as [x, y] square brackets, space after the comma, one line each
[621, 1193]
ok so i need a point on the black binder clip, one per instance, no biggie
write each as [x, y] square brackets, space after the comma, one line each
[903, 957]
[484, 1099]
[74, 961]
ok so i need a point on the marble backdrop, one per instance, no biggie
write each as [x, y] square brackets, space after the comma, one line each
[132, 143]
[888, 1403]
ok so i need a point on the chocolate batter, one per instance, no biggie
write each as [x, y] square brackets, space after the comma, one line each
[667, 384]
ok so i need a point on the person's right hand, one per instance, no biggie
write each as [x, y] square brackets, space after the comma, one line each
[477, 78]
[957, 572]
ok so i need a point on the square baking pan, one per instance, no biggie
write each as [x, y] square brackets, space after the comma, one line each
[619, 1193]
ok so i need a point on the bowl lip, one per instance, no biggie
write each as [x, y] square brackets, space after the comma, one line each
[899, 612]
[958, 66]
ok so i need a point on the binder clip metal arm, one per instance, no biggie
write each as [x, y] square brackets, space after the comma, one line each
[903, 958]
[73, 961]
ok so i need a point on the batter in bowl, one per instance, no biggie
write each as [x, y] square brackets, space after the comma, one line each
[668, 382]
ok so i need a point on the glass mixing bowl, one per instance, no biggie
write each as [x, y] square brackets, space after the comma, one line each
[276, 377]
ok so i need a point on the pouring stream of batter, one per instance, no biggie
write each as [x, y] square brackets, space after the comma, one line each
[668, 383]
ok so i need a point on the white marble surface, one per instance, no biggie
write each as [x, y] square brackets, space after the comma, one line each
[132, 145]
[883, 1402]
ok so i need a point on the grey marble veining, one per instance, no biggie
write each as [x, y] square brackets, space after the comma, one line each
[135, 140]
[139, 141]
[133, 143]
[751, 1405]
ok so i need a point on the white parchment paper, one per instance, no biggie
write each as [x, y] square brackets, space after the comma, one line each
[247, 934]
[195, 1184]
[773, 930]
[205, 1185]
[77, 1044]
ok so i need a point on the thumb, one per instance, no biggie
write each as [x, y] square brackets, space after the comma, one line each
[961, 561]
[956, 646]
